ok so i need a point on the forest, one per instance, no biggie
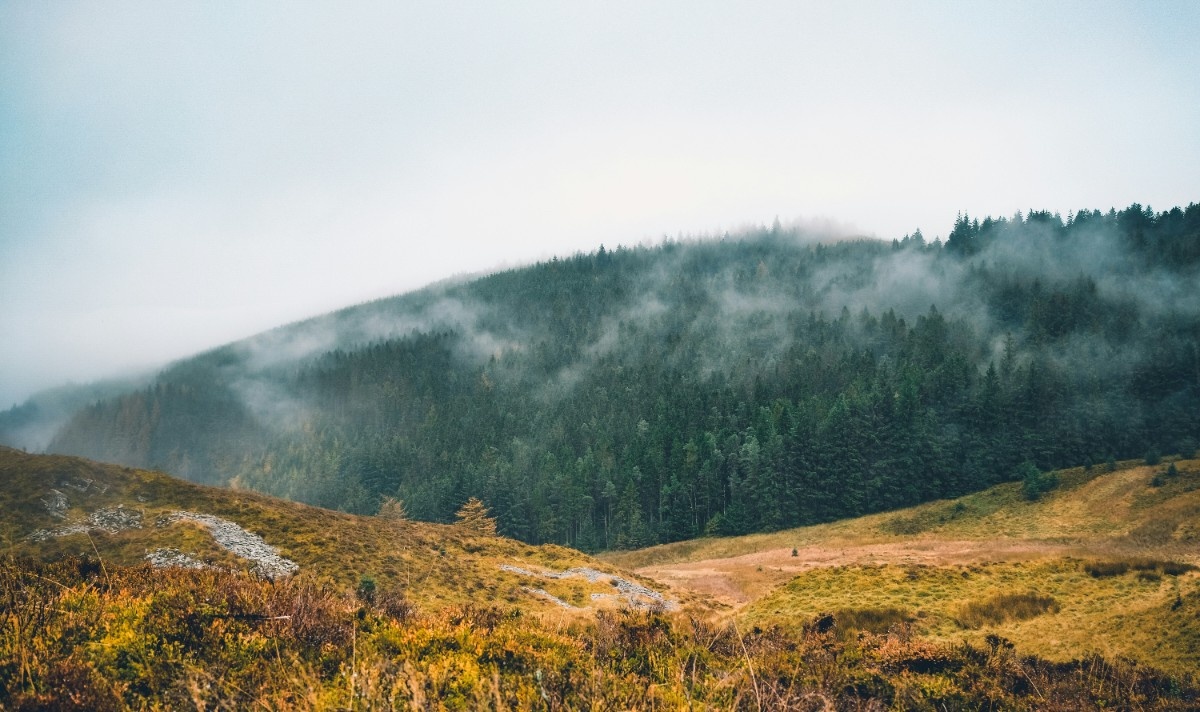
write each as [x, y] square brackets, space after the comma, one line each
[715, 385]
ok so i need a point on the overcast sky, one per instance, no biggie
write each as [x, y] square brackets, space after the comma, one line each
[177, 175]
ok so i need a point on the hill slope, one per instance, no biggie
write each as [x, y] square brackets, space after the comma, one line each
[490, 630]
[55, 506]
[1103, 564]
[747, 383]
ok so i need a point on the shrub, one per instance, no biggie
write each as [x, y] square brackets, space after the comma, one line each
[1004, 607]
[1034, 482]
[905, 526]
[1106, 569]
[392, 603]
[366, 588]
[1153, 457]
[871, 620]
[1175, 568]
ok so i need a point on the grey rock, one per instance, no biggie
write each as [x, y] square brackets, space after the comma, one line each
[110, 519]
[173, 558]
[232, 538]
[56, 504]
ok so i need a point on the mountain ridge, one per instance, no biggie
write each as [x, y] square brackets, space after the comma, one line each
[761, 381]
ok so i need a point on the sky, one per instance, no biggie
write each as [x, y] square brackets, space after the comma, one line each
[175, 176]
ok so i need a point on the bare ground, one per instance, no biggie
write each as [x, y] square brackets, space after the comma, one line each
[738, 580]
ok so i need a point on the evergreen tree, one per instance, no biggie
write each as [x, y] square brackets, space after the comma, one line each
[473, 517]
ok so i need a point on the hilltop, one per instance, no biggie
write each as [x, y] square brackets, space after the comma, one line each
[1105, 563]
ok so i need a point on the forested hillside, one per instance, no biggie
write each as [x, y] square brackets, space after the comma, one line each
[721, 385]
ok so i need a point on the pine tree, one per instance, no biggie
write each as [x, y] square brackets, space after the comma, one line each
[473, 516]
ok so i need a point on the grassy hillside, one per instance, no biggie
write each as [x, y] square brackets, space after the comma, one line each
[1103, 564]
[433, 564]
[452, 620]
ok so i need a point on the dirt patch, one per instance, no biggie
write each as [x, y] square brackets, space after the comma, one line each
[739, 580]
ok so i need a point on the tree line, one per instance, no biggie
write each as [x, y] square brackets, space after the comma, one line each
[719, 386]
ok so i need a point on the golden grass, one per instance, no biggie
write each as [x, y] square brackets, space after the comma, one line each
[1054, 608]
[436, 565]
[990, 563]
[1088, 505]
[75, 637]
[1103, 564]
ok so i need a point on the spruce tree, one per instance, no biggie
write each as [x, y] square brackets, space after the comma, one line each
[473, 516]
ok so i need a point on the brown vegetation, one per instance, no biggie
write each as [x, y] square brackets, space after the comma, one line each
[1005, 607]
[76, 635]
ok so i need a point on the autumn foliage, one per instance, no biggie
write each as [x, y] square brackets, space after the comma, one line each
[78, 635]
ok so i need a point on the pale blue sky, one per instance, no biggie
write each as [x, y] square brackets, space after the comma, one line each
[177, 175]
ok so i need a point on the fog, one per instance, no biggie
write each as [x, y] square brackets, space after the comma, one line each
[176, 177]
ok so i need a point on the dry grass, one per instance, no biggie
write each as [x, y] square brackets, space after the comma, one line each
[132, 638]
[1088, 507]
[1052, 608]
[1102, 565]
[986, 567]
[436, 565]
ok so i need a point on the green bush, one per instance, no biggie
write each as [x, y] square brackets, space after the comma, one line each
[1034, 482]
[366, 588]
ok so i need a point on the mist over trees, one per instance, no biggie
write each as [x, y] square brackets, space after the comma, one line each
[713, 386]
